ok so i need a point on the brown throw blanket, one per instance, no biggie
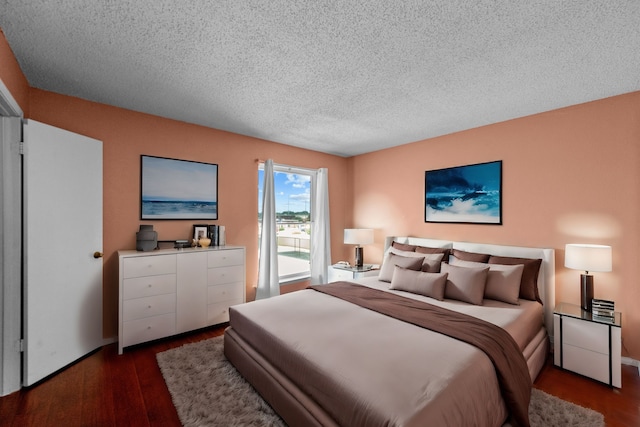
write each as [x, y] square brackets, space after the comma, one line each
[511, 368]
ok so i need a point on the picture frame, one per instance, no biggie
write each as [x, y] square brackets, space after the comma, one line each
[200, 230]
[470, 194]
[177, 189]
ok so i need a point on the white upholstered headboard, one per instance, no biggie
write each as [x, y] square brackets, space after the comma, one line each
[546, 277]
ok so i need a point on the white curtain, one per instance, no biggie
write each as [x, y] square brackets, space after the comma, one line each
[320, 230]
[268, 278]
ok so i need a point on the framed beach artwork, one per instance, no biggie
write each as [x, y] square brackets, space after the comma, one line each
[177, 189]
[464, 194]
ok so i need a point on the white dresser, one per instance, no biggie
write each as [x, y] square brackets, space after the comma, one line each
[169, 291]
[586, 345]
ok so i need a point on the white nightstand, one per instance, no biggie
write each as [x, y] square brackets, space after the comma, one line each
[588, 346]
[339, 272]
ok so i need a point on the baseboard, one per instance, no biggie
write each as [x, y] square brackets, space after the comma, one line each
[631, 362]
[110, 340]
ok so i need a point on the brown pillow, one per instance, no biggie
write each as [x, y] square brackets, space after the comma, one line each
[403, 247]
[419, 282]
[470, 256]
[392, 260]
[503, 281]
[444, 251]
[529, 281]
[465, 283]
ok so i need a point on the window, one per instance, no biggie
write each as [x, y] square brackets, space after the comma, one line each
[293, 188]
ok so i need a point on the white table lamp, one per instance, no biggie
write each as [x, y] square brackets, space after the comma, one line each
[587, 258]
[358, 236]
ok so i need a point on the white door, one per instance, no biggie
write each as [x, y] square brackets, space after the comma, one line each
[62, 181]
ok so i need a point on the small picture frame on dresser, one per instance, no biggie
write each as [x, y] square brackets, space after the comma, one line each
[200, 230]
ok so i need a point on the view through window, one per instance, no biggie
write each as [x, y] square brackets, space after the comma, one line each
[293, 221]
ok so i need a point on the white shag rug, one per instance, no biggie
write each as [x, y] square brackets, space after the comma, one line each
[208, 391]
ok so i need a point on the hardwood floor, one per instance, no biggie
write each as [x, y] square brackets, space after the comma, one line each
[105, 389]
[621, 407]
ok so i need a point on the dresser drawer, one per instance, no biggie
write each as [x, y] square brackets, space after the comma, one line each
[336, 274]
[587, 335]
[148, 286]
[149, 328]
[226, 257]
[222, 275]
[219, 312]
[229, 291]
[585, 362]
[149, 265]
[140, 308]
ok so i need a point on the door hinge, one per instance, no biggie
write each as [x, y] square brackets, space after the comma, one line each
[21, 346]
[21, 148]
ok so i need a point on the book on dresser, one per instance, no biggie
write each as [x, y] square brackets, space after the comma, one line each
[602, 308]
[169, 291]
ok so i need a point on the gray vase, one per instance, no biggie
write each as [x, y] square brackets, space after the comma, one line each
[146, 239]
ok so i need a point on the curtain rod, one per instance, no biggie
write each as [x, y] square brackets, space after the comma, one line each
[289, 167]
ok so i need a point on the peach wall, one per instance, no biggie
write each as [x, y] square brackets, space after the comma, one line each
[127, 134]
[569, 176]
[12, 76]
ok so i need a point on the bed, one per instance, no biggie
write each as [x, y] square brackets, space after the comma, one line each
[318, 359]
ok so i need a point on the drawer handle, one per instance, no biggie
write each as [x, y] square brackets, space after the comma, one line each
[148, 327]
[150, 285]
[149, 306]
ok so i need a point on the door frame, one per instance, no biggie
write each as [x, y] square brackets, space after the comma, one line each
[10, 242]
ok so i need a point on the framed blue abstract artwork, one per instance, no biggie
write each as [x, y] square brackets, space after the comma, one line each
[469, 194]
[178, 189]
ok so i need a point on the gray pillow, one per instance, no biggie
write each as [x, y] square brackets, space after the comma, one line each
[419, 282]
[392, 260]
[503, 281]
[529, 282]
[465, 283]
[431, 262]
[444, 251]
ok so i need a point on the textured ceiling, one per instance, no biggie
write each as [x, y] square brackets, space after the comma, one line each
[337, 76]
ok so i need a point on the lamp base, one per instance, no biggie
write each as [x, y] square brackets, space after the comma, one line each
[586, 291]
[359, 256]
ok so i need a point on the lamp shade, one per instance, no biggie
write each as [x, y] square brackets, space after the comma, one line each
[587, 257]
[358, 236]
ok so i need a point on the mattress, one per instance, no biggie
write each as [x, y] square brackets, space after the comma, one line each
[361, 368]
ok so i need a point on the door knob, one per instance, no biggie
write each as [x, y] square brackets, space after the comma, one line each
[97, 254]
